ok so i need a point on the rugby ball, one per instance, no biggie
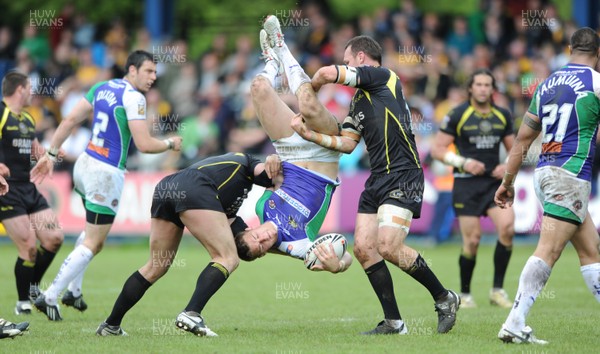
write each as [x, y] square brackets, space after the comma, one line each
[339, 246]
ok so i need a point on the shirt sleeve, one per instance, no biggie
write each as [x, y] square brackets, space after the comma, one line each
[135, 105]
[450, 123]
[262, 179]
[533, 106]
[370, 77]
[89, 96]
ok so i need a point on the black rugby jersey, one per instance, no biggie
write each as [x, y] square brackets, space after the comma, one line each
[233, 176]
[17, 133]
[477, 135]
[379, 114]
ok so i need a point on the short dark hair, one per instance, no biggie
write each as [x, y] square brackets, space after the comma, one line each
[242, 247]
[367, 45]
[137, 59]
[11, 81]
[585, 41]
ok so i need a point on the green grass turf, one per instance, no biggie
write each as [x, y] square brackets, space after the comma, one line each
[274, 305]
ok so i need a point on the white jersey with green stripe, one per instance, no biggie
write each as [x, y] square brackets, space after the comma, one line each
[115, 103]
[568, 105]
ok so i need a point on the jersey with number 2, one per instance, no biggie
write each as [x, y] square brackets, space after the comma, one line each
[568, 105]
[115, 103]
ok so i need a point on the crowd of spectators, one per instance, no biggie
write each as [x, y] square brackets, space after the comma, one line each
[206, 98]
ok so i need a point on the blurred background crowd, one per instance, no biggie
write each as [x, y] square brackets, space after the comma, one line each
[205, 98]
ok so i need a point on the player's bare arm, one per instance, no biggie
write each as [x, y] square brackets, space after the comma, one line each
[346, 142]
[440, 151]
[528, 132]
[335, 74]
[45, 164]
[148, 144]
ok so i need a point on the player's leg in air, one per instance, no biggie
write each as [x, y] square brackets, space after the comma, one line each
[274, 115]
[317, 117]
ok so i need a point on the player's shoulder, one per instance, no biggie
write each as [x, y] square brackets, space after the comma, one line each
[505, 112]
[459, 110]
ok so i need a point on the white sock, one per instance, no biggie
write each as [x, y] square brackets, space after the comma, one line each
[75, 284]
[270, 72]
[294, 72]
[533, 278]
[394, 323]
[76, 262]
[591, 275]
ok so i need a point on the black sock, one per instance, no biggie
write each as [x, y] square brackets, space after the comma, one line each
[467, 265]
[209, 282]
[381, 281]
[133, 290]
[24, 271]
[42, 262]
[501, 257]
[421, 272]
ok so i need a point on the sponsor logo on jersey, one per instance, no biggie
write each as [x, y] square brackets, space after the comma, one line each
[271, 204]
[23, 128]
[141, 109]
[577, 205]
[485, 126]
[98, 149]
[292, 223]
[114, 203]
[294, 203]
[289, 249]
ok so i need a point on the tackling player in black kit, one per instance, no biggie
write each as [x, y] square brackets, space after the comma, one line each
[477, 128]
[205, 198]
[23, 210]
[394, 191]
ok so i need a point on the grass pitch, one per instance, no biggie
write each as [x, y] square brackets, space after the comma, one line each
[275, 305]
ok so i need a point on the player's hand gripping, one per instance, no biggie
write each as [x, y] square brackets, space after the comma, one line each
[299, 126]
[329, 260]
[273, 166]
